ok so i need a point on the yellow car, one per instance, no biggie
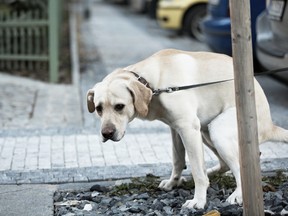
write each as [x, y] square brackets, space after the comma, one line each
[182, 15]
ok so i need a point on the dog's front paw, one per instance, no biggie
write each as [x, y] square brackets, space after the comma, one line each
[235, 197]
[169, 184]
[194, 203]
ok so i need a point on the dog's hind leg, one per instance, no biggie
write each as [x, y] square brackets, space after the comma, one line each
[221, 167]
[224, 135]
[178, 154]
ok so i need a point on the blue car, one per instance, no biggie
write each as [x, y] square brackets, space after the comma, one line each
[216, 26]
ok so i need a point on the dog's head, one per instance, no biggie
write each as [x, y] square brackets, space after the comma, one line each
[117, 100]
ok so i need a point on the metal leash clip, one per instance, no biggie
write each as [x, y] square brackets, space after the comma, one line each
[172, 89]
[156, 91]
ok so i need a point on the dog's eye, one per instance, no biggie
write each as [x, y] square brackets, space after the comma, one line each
[119, 107]
[99, 109]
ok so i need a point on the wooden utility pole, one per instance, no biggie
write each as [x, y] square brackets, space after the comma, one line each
[246, 108]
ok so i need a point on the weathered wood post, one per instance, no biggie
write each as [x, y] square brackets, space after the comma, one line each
[246, 109]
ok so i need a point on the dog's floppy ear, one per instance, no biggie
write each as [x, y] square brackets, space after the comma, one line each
[141, 97]
[90, 100]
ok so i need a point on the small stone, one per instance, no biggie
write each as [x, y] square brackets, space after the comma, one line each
[87, 207]
[224, 204]
[268, 212]
[167, 209]
[231, 210]
[69, 214]
[212, 192]
[62, 211]
[58, 197]
[277, 209]
[134, 209]
[184, 193]
[158, 213]
[97, 199]
[199, 212]
[173, 193]
[151, 214]
[68, 203]
[106, 201]
[176, 203]
[157, 205]
[214, 186]
[284, 212]
[215, 202]
[99, 188]
[113, 202]
[186, 211]
[131, 197]
[143, 208]
[144, 196]
[123, 208]
[278, 202]
[85, 196]
[168, 195]
[69, 196]
[268, 199]
[166, 202]
[95, 194]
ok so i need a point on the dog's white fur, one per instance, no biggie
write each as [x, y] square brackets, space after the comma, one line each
[195, 116]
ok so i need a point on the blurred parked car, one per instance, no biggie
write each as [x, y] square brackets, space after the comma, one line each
[143, 6]
[182, 15]
[216, 26]
[272, 36]
[119, 1]
[152, 8]
[139, 6]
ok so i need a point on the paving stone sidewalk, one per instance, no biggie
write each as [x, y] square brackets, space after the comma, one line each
[78, 157]
[47, 136]
[28, 104]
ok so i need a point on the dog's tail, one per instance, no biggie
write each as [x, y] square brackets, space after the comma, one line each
[279, 134]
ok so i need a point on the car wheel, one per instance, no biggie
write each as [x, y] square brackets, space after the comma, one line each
[192, 21]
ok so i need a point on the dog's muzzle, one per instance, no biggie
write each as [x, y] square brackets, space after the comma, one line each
[108, 132]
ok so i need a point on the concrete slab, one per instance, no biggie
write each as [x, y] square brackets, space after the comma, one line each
[26, 200]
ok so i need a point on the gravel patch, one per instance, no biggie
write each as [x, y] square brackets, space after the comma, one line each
[141, 196]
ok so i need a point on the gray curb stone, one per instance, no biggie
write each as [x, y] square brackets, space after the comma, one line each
[90, 174]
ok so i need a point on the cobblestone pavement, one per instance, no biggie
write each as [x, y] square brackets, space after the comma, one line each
[47, 135]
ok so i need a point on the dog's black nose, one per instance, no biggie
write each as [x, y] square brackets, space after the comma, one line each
[108, 132]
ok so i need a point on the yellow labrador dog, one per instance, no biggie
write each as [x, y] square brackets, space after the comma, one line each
[204, 114]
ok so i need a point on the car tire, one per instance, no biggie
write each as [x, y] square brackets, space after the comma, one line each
[192, 21]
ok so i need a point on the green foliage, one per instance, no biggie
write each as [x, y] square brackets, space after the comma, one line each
[147, 184]
[223, 181]
[276, 180]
